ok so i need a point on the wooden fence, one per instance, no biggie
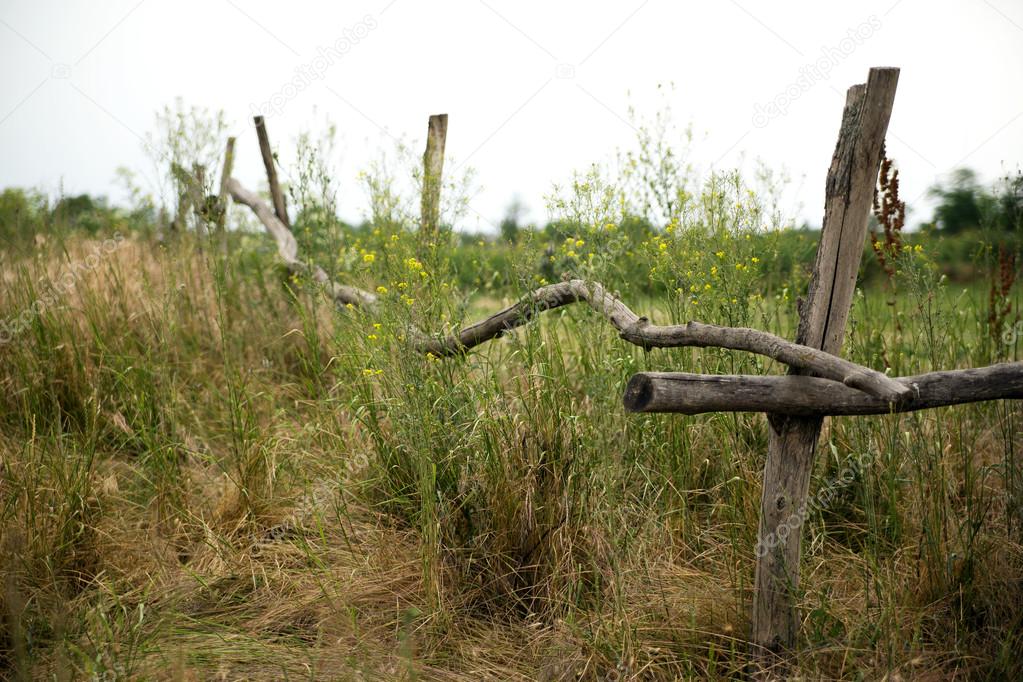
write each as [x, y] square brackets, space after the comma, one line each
[820, 383]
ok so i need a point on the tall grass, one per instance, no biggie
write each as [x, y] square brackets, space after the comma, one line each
[208, 471]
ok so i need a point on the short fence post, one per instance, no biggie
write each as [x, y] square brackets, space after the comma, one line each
[276, 195]
[222, 202]
[850, 186]
[183, 183]
[200, 205]
[433, 169]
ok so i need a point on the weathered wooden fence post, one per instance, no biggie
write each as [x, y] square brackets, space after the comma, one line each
[182, 182]
[222, 195]
[850, 186]
[433, 169]
[276, 195]
[200, 203]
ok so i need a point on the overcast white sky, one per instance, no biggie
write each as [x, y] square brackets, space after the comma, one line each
[533, 89]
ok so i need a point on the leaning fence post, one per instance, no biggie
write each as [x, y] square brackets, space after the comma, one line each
[849, 190]
[225, 176]
[276, 195]
[433, 168]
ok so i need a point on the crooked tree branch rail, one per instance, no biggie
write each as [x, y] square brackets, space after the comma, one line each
[631, 327]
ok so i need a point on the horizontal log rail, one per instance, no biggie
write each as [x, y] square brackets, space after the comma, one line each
[804, 396]
[631, 327]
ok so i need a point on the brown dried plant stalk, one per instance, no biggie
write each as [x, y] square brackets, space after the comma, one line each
[890, 212]
[999, 303]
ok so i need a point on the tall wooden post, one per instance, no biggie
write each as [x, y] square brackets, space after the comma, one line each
[276, 195]
[225, 177]
[793, 440]
[433, 169]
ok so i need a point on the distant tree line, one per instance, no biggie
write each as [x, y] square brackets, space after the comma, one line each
[24, 214]
[964, 204]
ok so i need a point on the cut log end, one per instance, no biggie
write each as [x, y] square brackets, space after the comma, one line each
[638, 393]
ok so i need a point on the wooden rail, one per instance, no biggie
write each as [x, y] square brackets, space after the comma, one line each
[287, 249]
[804, 396]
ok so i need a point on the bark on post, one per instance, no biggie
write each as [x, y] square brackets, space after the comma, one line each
[276, 195]
[222, 195]
[433, 169]
[793, 440]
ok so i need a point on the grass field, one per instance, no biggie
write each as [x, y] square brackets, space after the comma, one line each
[210, 473]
